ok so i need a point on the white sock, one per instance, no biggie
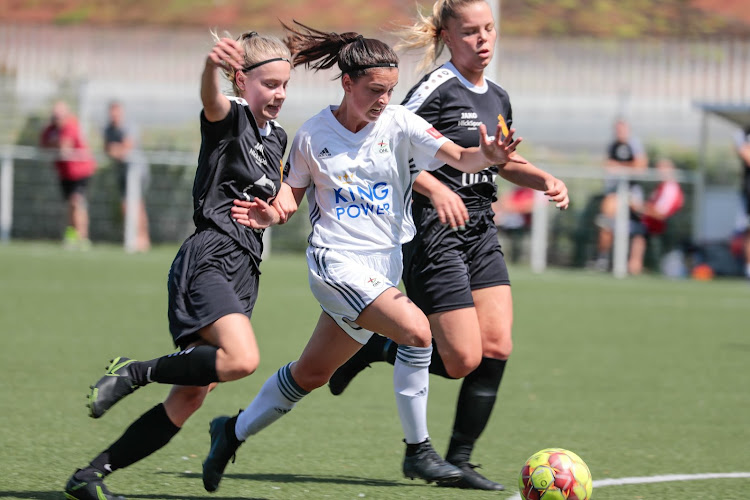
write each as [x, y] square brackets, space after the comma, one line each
[411, 378]
[276, 398]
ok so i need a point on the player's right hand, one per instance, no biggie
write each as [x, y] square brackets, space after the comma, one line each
[227, 52]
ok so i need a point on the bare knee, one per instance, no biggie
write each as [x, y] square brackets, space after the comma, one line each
[237, 366]
[500, 350]
[417, 333]
[462, 364]
[310, 378]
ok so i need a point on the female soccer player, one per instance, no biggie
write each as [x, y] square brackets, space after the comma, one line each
[355, 163]
[454, 269]
[213, 281]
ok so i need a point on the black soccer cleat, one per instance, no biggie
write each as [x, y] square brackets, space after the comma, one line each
[472, 480]
[223, 448]
[368, 353]
[112, 387]
[88, 484]
[428, 465]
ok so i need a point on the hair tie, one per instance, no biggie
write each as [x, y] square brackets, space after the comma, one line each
[360, 67]
[253, 66]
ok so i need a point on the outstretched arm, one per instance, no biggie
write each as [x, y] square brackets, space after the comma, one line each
[520, 172]
[491, 151]
[225, 53]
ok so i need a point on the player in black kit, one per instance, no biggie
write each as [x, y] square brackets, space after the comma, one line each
[454, 269]
[213, 281]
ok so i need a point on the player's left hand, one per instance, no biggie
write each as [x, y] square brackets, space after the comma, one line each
[498, 149]
[256, 214]
[557, 192]
[451, 209]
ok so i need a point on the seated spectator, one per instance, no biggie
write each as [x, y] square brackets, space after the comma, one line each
[513, 216]
[664, 202]
[513, 209]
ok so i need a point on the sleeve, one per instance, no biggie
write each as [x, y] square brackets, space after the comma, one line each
[425, 140]
[429, 108]
[213, 132]
[740, 139]
[509, 118]
[297, 170]
[637, 146]
[668, 199]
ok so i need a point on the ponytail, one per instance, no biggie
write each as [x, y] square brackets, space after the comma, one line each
[426, 31]
[351, 52]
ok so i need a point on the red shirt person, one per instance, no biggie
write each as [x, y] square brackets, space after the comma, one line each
[75, 165]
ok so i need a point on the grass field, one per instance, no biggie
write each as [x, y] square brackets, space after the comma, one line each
[641, 377]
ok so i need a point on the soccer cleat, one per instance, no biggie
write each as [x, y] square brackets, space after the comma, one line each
[112, 387]
[223, 448]
[428, 465]
[88, 484]
[472, 480]
[368, 353]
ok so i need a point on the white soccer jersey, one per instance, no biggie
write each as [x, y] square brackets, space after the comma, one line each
[360, 184]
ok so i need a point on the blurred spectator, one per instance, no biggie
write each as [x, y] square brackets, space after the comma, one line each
[625, 151]
[75, 165]
[513, 216]
[743, 150]
[119, 142]
[664, 202]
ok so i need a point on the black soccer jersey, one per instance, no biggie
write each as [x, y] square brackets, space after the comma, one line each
[456, 108]
[237, 161]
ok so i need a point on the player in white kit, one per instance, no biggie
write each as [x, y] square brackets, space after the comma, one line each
[356, 162]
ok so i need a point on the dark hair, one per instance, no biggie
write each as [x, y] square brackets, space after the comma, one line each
[353, 53]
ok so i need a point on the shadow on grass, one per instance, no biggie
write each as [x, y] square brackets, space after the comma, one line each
[58, 494]
[295, 478]
[204, 496]
[36, 495]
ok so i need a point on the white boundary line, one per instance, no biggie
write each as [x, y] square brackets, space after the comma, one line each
[661, 479]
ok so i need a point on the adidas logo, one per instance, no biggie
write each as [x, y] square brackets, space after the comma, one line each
[324, 153]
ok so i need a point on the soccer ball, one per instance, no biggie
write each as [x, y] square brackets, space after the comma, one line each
[555, 474]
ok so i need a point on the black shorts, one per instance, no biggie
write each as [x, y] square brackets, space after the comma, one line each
[76, 186]
[442, 266]
[211, 277]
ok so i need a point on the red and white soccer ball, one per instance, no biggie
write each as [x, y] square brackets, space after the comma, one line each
[555, 474]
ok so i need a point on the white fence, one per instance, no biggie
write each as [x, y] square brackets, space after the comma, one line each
[30, 205]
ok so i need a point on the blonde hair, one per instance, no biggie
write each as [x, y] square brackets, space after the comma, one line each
[425, 32]
[258, 48]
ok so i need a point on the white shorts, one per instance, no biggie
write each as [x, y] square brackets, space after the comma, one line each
[346, 282]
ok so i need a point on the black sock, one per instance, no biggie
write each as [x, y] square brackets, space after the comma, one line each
[194, 366]
[475, 403]
[378, 347]
[149, 433]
